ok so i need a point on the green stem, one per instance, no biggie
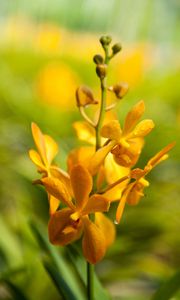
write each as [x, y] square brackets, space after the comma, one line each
[102, 105]
[101, 113]
[90, 281]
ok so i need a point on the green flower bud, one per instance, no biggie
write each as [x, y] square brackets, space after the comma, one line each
[116, 48]
[101, 71]
[98, 59]
[105, 40]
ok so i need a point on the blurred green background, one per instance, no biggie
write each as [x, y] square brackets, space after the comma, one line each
[46, 50]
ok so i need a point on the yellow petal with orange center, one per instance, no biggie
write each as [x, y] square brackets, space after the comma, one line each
[85, 132]
[36, 159]
[57, 189]
[39, 141]
[61, 232]
[93, 243]
[96, 203]
[81, 182]
[107, 227]
[133, 116]
[112, 130]
[51, 148]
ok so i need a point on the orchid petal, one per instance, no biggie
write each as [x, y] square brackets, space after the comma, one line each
[93, 243]
[143, 128]
[160, 156]
[107, 227]
[81, 155]
[85, 132]
[57, 189]
[81, 182]
[36, 159]
[39, 141]
[112, 130]
[51, 148]
[96, 203]
[98, 158]
[133, 116]
[61, 232]
[53, 204]
[122, 202]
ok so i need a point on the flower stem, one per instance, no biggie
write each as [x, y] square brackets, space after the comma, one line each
[90, 281]
[102, 105]
[101, 113]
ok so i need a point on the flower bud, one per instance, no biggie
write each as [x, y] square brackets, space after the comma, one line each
[98, 59]
[116, 48]
[120, 89]
[105, 40]
[84, 96]
[101, 70]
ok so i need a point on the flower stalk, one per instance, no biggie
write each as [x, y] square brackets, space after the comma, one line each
[90, 281]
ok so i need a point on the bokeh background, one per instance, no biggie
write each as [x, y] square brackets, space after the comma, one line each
[46, 50]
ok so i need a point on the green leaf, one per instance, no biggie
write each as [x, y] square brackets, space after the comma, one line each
[168, 289]
[16, 293]
[59, 282]
[80, 264]
[60, 263]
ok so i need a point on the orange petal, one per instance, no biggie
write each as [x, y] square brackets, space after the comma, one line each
[112, 130]
[107, 227]
[100, 177]
[122, 202]
[98, 158]
[133, 116]
[136, 192]
[81, 155]
[51, 148]
[113, 170]
[61, 232]
[96, 203]
[161, 155]
[53, 204]
[62, 176]
[81, 182]
[36, 159]
[39, 141]
[85, 132]
[143, 128]
[93, 243]
[57, 189]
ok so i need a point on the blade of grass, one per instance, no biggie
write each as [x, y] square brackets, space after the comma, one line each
[59, 282]
[60, 262]
[15, 291]
[80, 264]
[168, 289]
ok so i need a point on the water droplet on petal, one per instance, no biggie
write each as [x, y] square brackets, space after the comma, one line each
[115, 222]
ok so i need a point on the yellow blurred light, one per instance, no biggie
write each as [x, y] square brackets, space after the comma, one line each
[56, 85]
[134, 64]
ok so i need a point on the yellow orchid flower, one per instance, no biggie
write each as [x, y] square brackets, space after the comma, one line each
[66, 225]
[134, 191]
[109, 172]
[126, 144]
[47, 149]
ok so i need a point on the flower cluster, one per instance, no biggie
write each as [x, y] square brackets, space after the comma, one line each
[99, 173]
